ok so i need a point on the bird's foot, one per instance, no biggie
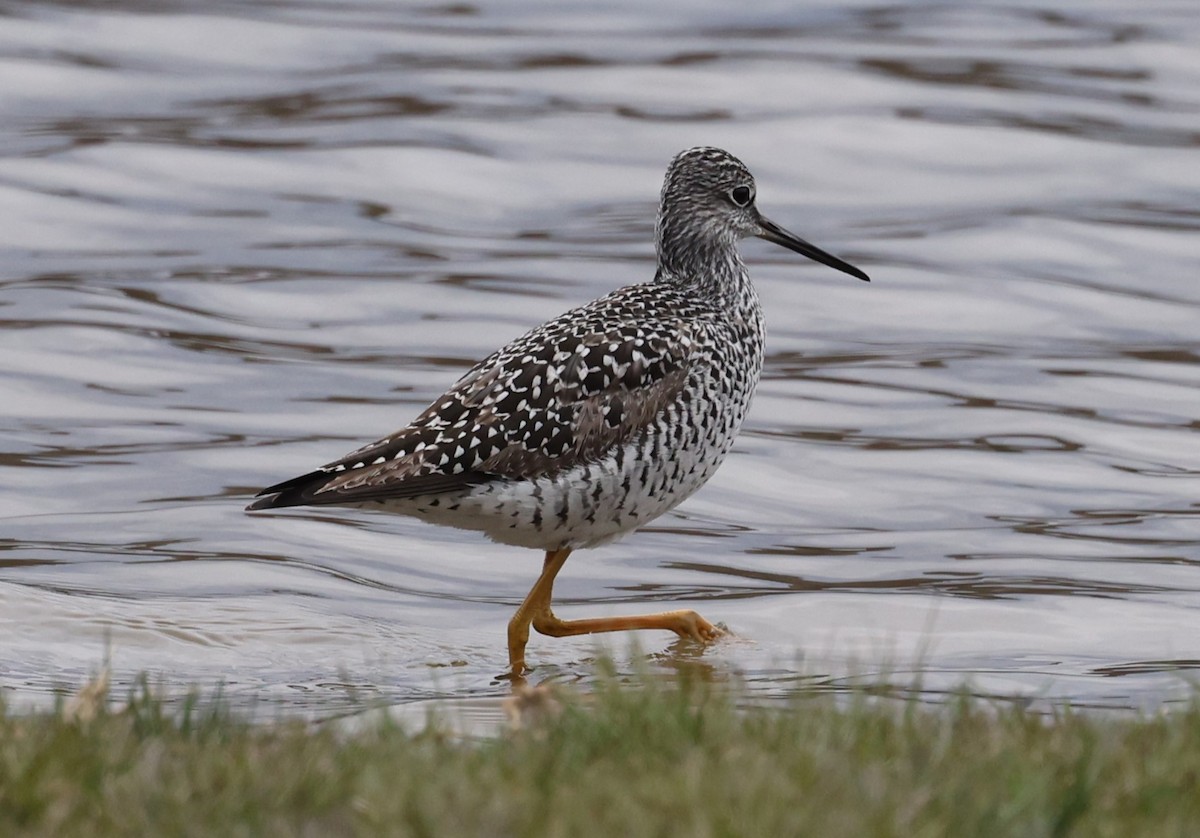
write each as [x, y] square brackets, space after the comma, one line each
[689, 624]
[516, 673]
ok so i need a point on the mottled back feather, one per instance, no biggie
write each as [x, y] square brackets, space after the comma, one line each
[563, 394]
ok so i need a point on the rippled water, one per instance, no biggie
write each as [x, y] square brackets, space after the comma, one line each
[238, 242]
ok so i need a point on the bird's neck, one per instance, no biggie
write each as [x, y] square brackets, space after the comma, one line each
[708, 268]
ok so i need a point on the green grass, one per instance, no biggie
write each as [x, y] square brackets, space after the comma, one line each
[633, 760]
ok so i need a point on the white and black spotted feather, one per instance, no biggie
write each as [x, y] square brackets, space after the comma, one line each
[603, 418]
[558, 396]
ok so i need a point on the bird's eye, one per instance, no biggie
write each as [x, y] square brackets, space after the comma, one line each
[741, 195]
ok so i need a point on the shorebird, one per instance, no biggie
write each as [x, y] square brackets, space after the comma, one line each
[598, 421]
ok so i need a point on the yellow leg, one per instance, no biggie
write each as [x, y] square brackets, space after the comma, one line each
[536, 610]
[537, 599]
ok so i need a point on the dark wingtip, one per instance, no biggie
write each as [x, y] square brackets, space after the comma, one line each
[265, 501]
[294, 492]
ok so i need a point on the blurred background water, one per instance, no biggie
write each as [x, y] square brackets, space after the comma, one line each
[240, 239]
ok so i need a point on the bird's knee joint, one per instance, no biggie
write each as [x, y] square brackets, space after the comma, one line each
[546, 623]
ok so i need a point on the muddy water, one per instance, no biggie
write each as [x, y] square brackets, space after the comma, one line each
[239, 242]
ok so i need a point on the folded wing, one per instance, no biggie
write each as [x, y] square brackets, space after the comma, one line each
[562, 395]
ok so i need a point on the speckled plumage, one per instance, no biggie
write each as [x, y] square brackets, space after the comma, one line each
[586, 427]
[603, 418]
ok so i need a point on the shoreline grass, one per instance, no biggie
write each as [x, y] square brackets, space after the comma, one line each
[631, 760]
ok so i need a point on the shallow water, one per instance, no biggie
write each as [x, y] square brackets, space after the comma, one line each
[239, 242]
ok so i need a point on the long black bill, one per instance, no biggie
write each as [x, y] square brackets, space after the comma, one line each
[772, 232]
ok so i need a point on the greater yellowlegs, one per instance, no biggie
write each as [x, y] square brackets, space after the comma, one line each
[597, 422]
